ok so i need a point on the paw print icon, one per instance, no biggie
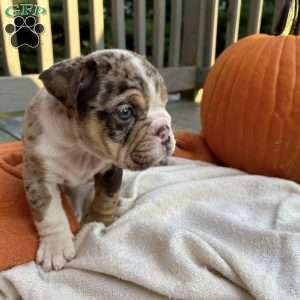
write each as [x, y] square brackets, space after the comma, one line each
[25, 32]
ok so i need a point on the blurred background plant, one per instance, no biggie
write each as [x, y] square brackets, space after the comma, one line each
[28, 56]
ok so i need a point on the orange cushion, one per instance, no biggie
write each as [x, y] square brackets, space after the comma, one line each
[193, 146]
[18, 236]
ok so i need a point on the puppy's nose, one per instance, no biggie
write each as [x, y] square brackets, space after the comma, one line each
[164, 134]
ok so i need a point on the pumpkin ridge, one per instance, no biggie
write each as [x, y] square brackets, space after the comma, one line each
[293, 155]
[244, 148]
[226, 143]
[295, 85]
[225, 91]
[209, 103]
[259, 125]
[277, 108]
[212, 125]
[256, 110]
[266, 155]
[279, 115]
[286, 120]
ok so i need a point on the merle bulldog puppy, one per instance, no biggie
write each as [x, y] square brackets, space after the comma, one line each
[96, 115]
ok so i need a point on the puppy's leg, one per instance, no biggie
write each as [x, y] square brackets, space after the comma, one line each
[81, 198]
[106, 200]
[56, 245]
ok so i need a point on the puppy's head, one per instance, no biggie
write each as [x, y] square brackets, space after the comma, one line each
[118, 100]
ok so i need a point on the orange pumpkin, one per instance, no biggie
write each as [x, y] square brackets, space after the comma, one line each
[251, 107]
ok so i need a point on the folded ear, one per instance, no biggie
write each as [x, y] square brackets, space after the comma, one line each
[66, 79]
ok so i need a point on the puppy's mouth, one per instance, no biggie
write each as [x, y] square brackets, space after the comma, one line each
[138, 163]
[157, 156]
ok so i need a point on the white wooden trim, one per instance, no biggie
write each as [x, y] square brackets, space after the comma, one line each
[211, 37]
[45, 49]
[71, 22]
[96, 24]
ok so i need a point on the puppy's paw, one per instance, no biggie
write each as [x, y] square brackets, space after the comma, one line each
[55, 251]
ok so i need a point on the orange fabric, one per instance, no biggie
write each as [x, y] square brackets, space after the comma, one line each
[193, 146]
[18, 237]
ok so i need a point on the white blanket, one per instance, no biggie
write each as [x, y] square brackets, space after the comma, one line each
[195, 231]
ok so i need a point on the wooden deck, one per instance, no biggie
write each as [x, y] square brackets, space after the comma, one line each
[185, 116]
[10, 129]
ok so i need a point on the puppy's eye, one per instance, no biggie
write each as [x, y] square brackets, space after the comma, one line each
[125, 112]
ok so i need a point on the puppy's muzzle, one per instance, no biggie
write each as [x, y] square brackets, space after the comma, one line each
[154, 149]
[164, 134]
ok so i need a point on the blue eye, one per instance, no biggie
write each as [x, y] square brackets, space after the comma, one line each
[125, 112]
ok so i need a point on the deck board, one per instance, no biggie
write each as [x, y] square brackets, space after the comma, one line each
[12, 126]
[5, 138]
[185, 115]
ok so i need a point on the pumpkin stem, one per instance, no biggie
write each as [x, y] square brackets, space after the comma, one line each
[289, 20]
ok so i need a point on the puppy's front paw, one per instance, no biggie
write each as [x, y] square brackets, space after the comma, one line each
[55, 251]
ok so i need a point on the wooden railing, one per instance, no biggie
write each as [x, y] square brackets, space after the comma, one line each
[192, 45]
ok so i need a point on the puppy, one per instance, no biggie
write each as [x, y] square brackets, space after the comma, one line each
[97, 115]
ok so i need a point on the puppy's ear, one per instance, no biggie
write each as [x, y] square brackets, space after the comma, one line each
[65, 80]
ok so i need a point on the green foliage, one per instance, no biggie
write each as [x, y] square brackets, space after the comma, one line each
[29, 58]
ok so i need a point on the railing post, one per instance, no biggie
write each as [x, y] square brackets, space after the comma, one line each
[139, 18]
[210, 42]
[190, 31]
[255, 14]
[45, 49]
[199, 36]
[118, 23]
[175, 33]
[159, 32]
[279, 4]
[96, 24]
[233, 21]
[191, 12]
[71, 24]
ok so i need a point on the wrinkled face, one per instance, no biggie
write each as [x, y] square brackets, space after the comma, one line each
[119, 104]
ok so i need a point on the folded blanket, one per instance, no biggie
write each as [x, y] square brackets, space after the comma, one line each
[18, 238]
[194, 231]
